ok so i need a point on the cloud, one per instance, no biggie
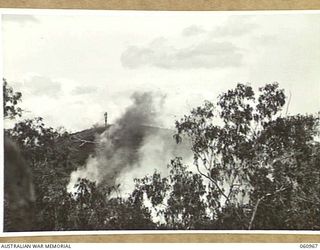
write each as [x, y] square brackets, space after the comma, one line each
[22, 19]
[42, 86]
[83, 90]
[234, 27]
[205, 54]
[214, 48]
[193, 30]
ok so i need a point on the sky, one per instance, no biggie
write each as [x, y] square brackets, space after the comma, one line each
[73, 67]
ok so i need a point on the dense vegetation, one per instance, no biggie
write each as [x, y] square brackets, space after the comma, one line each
[256, 168]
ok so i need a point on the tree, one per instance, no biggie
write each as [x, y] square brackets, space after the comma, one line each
[295, 168]
[93, 207]
[242, 142]
[256, 168]
[19, 194]
[178, 201]
[10, 102]
[46, 151]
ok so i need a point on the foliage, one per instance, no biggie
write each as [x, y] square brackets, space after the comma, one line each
[256, 168]
[10, 102]
[253, 155]
[179, 201]
[94, 208]
[48, 152]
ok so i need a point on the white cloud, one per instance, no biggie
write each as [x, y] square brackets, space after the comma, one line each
[42, 86]
[83, 90]
[235, 26]
[193, 30]
[205, 54]
[213, 49]
[83, 54]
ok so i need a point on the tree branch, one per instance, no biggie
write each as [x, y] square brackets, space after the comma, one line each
[257, 205]
[214, 182]
[83, 142]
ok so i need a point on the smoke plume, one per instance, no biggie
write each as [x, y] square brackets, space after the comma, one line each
[132, 147]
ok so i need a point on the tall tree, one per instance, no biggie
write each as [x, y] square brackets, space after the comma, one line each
[240, 144]
[10, 102]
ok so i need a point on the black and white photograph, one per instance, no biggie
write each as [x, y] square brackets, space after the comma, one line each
[161, 120]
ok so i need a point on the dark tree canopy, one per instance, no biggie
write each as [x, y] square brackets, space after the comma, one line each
[10, 102]
[252, 153]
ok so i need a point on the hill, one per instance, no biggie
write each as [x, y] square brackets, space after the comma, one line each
[84, 143]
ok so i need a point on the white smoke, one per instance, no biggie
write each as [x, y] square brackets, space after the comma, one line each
[155, 155]
[90, 171]
[132, 148]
